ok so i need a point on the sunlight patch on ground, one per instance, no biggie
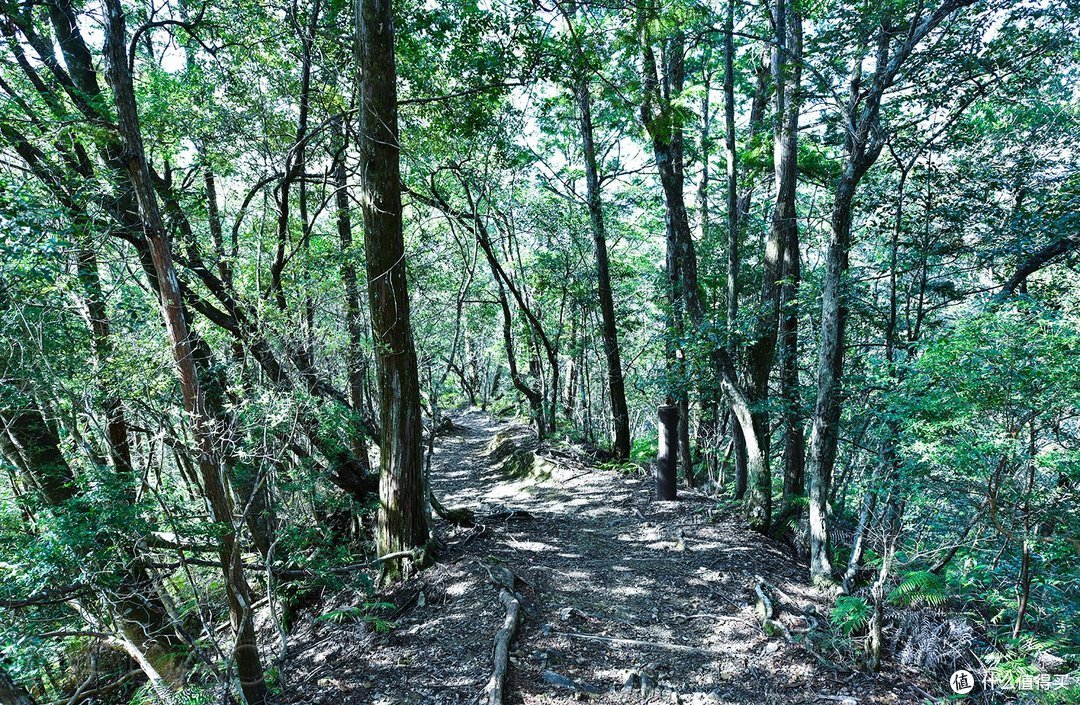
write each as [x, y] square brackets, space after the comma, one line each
[531, 545]
[659, 545]
[459, 588]
[698, 545]
[709, 575]
[630, 590]
[511, 490]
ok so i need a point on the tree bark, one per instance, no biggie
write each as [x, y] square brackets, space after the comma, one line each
[12, 693]
[354, 358]
[619, 411]
[794, 439]
[761, 352]
[248, 662]
[825, 431]
[863, 144]
[731, 152]
[403, 519]
[785, 220]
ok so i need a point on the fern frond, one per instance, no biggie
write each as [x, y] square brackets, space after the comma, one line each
[920, 587]
[850, 614]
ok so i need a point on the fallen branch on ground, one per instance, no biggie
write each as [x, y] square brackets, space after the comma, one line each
[764, 606]
[504, 579]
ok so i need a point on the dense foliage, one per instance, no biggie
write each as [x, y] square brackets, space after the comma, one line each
[918, 310]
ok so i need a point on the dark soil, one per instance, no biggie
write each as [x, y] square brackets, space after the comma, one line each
[594, 556]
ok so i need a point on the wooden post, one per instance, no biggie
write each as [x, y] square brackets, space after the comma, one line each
[668, 451]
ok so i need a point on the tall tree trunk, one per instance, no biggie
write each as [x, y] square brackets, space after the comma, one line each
[707, 444]
[620, 413]
[667, 141]
[762, 350]
[825, 431]
[354, 357]
[733, 212]
[248, 663]
[791, 410]
[666, 133]
[863, 143]
[731, 152]
[403, 519]
[783, 236]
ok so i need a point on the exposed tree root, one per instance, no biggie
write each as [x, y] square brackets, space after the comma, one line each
[461, 516]
[766, 612]
[500, 654]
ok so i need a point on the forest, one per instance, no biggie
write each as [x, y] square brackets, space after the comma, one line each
[534, 352]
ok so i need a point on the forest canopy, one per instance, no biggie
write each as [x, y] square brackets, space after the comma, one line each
[255, 256]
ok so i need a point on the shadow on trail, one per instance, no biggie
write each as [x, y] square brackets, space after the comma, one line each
[627, 599]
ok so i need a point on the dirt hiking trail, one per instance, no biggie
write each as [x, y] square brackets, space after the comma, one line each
[623, 599]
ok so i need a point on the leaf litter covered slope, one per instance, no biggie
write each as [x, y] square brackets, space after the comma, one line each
[625, 599]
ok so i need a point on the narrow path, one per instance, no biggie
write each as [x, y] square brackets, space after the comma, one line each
[627, 600]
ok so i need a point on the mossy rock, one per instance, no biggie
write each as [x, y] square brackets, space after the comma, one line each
[519, 463]
[502, 446]
[525, 464]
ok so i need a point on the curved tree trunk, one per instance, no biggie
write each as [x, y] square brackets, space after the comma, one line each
[863, 143]
[248, 662]
[783, 233]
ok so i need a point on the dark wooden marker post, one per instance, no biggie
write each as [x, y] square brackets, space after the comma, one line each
[668, 451]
